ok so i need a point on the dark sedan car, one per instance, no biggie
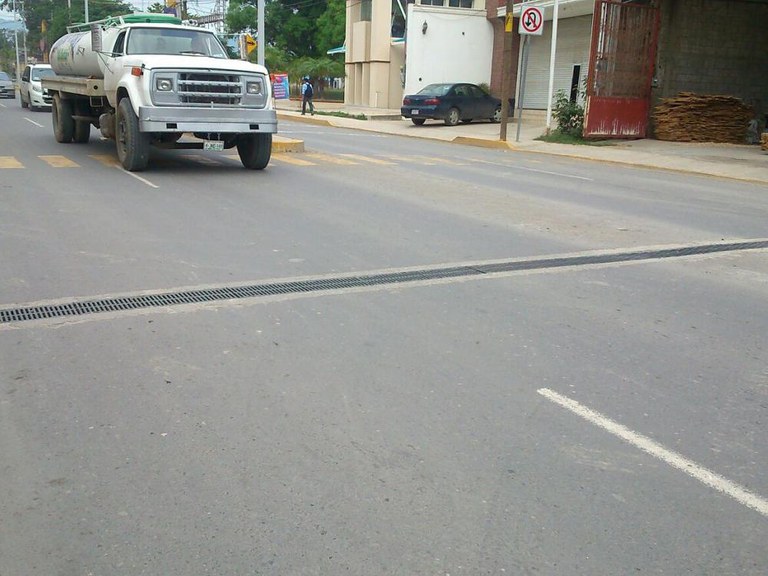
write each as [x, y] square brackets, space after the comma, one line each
[452, 103]
[7, 89]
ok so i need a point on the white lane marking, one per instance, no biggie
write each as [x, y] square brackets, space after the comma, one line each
[707, 477]
[33, 122]
[513, 167]
[147, 182]
[554, 173]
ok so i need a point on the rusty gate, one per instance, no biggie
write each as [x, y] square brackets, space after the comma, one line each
[624, 38]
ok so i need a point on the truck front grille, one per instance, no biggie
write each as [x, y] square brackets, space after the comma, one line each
[203, 88]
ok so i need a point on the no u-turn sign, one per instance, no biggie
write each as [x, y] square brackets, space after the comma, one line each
[531, 21]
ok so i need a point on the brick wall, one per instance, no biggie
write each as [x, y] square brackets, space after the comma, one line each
[714, 47]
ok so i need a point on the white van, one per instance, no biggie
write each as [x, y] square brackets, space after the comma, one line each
[31, 91]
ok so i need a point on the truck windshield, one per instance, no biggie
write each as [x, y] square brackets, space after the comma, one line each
[170, 41]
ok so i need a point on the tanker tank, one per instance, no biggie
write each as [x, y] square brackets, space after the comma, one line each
[73, 55]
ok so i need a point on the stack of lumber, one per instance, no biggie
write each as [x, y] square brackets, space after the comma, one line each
[690, 117]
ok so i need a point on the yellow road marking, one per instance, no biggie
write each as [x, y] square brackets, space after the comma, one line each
[59, 161]
[330, 159]
[369, 159]
[10, 162]
[289, 158]
[105, 159]
[426, 160]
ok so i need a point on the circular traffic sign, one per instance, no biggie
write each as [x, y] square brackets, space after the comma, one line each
[531, 21]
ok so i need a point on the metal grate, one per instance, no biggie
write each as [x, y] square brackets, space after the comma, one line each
[80, 308]
[201, 88]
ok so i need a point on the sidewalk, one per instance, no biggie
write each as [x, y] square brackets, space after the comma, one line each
[739, 162]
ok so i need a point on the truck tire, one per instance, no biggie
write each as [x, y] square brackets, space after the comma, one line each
[132, 145]
[63, 123]
[255, 150]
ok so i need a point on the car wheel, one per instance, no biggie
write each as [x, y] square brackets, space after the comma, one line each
[418, 121]
[24, 103]
[496, 118]
[453, 117]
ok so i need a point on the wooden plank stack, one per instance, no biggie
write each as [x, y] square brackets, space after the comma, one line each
[690, 117]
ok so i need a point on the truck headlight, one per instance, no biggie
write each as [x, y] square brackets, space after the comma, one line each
[164, 84]
[253, 88]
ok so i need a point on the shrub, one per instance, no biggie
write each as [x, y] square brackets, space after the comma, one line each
[569, 115]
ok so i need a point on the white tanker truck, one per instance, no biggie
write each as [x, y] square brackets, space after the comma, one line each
[145, 80]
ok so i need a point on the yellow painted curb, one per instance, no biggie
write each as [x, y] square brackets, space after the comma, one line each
[483, 143]
[281, 144]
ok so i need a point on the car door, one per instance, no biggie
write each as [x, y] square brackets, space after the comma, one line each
[481, 106]
[24, 85]
[462, 100]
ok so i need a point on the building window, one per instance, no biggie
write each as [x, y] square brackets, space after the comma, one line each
[365, 10]
[432, 2]
[460, 3]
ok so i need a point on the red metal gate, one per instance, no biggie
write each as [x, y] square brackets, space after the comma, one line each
[624, 37]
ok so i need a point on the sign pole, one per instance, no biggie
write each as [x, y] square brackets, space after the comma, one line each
[522, 86]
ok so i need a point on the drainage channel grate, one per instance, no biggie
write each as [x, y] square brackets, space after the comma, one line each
[85, 307]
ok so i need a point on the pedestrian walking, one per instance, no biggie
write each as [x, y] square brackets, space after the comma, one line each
[306, 96]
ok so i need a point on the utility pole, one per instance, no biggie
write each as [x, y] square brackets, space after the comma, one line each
[506, 58]
[16, 43]
[261, 35]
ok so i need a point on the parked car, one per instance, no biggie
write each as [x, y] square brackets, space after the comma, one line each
[31, 91]
[452, 103]
[7, 90]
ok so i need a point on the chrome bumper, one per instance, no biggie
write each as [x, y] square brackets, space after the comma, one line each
[221, 120]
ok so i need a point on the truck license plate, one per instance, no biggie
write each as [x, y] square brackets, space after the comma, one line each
[217, 145]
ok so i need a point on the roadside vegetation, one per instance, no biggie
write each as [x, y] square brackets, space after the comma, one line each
[569, 116]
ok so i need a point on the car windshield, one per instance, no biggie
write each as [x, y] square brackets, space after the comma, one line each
[435, 90]
[174, 42]
[38, 73]
[4, 76]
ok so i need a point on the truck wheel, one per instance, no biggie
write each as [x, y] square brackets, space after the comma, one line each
[255, 150]
[63, 123]
[23, 102]
[132, 145]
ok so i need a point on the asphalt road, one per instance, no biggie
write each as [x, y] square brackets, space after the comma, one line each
[604, 416]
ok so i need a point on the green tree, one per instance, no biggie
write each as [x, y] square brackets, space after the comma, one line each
[331, 26]
[156, 8]
[57, 16]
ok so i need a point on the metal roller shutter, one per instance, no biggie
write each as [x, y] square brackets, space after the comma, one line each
[573, 40]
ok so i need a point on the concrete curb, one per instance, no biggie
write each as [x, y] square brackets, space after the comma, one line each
[305, 119]
[282, 144]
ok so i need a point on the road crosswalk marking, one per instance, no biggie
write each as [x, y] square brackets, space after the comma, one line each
[291, 158]
[105, 159]
[369, 159]
[329, 158]
[10, 162]
[59, 161]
